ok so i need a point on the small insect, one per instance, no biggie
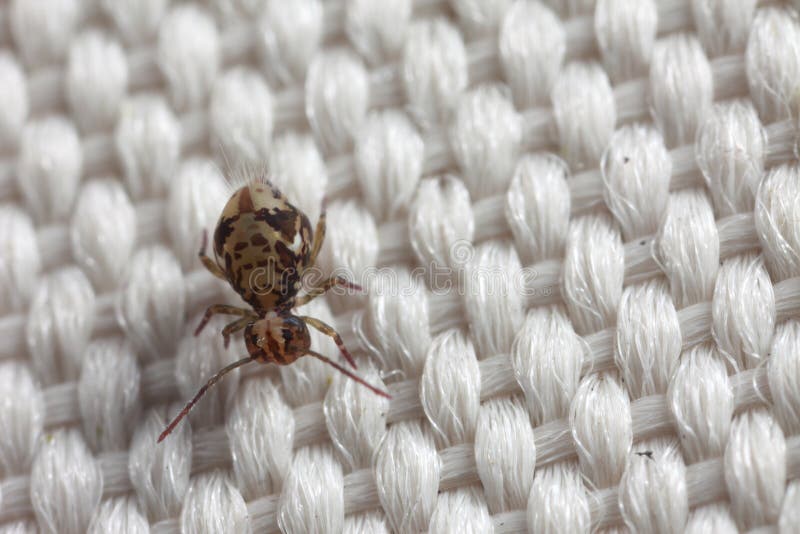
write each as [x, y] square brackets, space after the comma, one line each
[262, 247]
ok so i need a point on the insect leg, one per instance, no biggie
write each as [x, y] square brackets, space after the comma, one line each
[235, 326]
[211, 381]
[314, 292]
[319, 236]
[347, 373]
[208, 263]
[223, 309]
[329, 331]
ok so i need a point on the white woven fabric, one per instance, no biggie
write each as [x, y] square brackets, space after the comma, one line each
[610, 188]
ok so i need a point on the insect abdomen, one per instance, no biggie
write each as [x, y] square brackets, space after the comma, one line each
[263, 244]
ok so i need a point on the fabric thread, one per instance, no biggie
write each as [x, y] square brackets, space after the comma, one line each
[578, 223]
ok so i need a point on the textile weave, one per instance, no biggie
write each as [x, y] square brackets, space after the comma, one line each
[577, 224]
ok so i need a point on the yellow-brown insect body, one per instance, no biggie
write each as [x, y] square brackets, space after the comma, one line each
[277, 339]
[263, 245]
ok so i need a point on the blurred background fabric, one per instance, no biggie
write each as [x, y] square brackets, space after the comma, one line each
[577, 223]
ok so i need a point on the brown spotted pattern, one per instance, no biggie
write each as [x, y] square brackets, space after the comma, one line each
[277, 339]
[263, 245]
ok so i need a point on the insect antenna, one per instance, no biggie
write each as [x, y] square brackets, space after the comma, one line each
[211, 381]
[346, 372]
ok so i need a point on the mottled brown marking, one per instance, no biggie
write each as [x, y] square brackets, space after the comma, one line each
[258, 240]
[274, 349]
[225, 228]
[282, 221]
[265, 262]
[286, 257]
